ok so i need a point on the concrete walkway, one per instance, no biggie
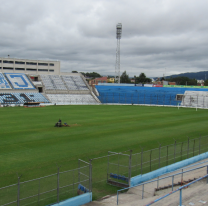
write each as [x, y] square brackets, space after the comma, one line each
[191, 195]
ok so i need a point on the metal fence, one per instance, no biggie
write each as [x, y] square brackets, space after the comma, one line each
[119, 167]
[49, 189]
[146, 161]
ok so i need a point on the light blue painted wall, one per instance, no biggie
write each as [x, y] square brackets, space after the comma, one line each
[116, 84]
[77, 201]
[164, 170]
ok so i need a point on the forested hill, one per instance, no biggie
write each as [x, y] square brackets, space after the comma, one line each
[192, 75]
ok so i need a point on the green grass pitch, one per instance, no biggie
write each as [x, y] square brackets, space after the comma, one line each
[31, 146]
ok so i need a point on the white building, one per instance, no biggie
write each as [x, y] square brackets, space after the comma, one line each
[200, 81]
[28, 66]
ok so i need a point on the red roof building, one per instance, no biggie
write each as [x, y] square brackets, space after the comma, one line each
[98, 80]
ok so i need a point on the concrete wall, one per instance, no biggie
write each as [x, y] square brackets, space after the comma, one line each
[18, 91]
[70, 74]
[76, 201]
[164, 170]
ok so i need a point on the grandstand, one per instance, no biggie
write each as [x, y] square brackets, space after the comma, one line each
[152, 95]
[41, 81]
[55, 89]
[67, 89]
[72, 88]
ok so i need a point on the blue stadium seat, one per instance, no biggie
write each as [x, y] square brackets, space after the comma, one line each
[21, 98]
[119, 177]
[3, 82]
[82, 188]
[19, 81]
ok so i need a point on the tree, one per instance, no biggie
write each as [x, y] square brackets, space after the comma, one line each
[192, 82]
[93, 74]
[206, 83]
[74, 71]
[183, 80]
[124, 78]
[143, 79]
[148, 80]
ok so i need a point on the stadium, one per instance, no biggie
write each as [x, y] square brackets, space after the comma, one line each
[119, 136]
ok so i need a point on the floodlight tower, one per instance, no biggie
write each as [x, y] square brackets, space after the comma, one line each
[118, 37]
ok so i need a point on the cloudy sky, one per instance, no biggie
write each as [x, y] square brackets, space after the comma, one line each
[158, 36]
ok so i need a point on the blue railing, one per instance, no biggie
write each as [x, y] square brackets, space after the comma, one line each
[179, 189]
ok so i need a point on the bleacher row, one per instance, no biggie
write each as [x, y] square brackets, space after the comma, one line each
[75, 82]
[21, 98]
[51, 82]
[71, 99]
[63, 82]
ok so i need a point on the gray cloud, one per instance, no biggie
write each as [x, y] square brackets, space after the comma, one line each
[159, 36]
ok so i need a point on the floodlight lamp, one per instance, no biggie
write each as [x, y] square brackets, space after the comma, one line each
[118, 30]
